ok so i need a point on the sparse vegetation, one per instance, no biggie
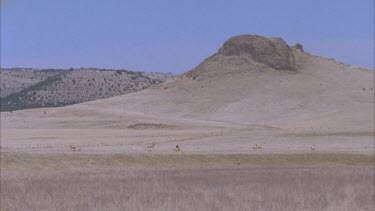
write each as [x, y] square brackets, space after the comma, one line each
[61, 85]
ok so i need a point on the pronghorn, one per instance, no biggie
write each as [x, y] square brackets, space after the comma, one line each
[149, 147]
[312, 147]
[177, 148]
[256, 147]
[74, 148]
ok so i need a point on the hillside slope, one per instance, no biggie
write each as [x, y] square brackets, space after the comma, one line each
[16, 79]
[65, 87]
[257, 80]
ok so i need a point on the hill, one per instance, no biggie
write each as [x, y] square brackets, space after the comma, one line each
[14, 80]
[259, 80]
[33, 88]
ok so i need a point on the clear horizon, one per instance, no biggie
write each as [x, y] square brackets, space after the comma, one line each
[167, 36]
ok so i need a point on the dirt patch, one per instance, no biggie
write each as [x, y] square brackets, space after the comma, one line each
[147, 126]
[344, 133]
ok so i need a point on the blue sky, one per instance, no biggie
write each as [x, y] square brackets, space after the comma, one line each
[175, 36]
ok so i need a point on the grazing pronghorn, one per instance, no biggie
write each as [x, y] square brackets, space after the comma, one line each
[74, 148]
[177, 148]
[312, 147]
[256, 147]
[149, 147]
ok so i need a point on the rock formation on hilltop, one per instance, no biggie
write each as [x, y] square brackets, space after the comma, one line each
[247, 53]
[273, 52]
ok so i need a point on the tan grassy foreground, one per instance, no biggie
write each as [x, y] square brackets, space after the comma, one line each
[248, 188]
[187, 182]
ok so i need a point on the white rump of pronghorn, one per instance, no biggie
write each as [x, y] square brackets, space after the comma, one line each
[177, 148]
[256, 147]
[149, 147]
[312, 147]
[74, 148]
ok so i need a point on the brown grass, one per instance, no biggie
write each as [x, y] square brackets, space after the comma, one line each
[248, 188]
[52, 162]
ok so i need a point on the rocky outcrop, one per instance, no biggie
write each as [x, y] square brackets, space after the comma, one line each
[273, 52]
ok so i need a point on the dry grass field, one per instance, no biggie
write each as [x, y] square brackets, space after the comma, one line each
[237, 188]
[187, 182]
